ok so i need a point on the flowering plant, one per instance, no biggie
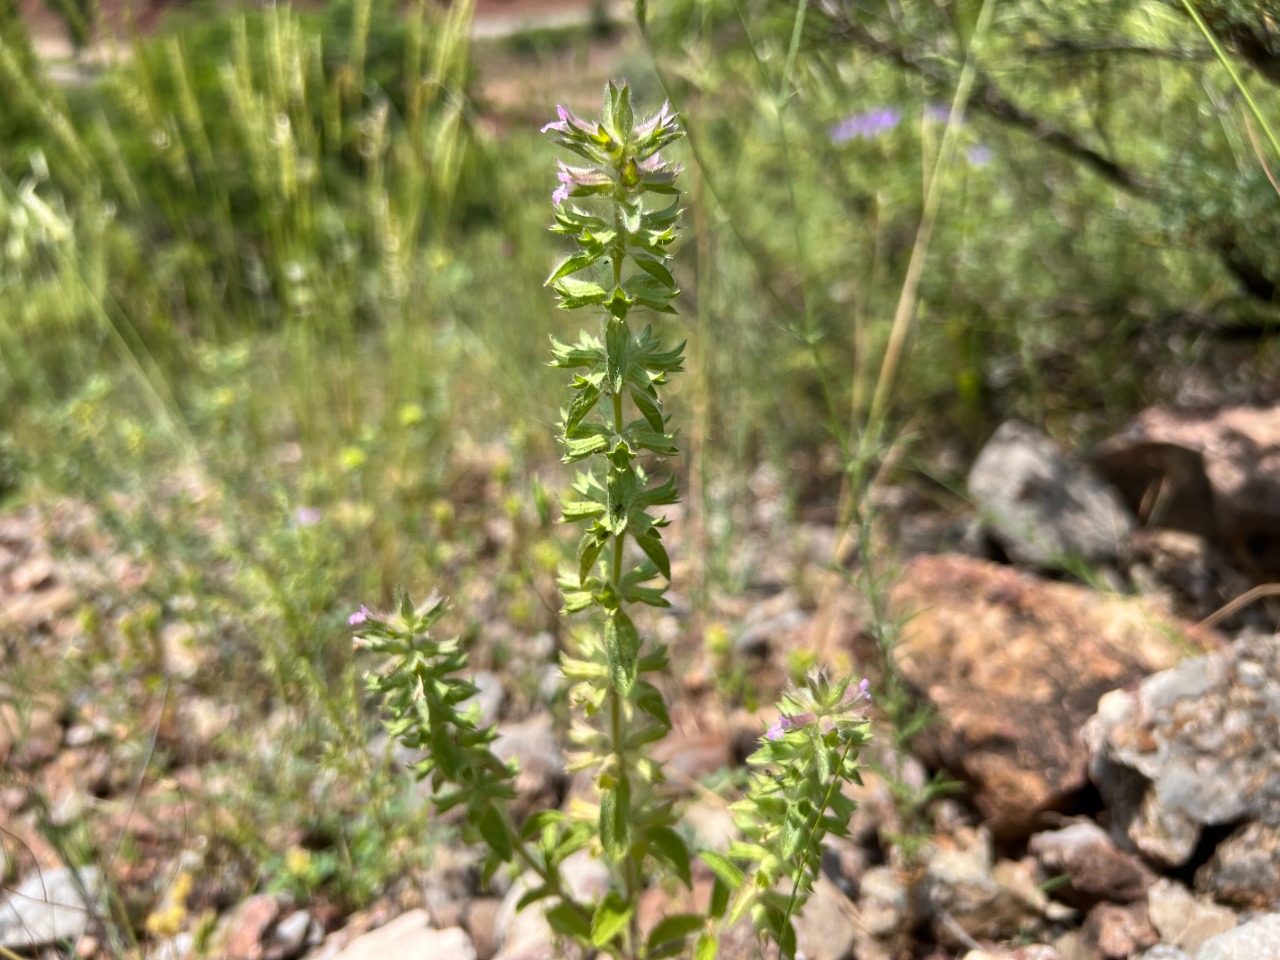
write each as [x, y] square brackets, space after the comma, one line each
[615, 420]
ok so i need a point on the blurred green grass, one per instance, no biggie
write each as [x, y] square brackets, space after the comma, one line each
[294, 260]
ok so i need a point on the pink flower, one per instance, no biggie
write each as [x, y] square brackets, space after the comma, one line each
[568, 120]
[360, 616]
[571, 178]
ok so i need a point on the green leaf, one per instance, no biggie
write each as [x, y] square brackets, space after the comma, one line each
[675, 927]
[649, 699]
[652, 546]
[650, 408]
[615, 819]
[611, 918]
[494, 830]
[582, 405]
[543, 818]
[568, 922]
[655, 268]
[670, 850]
[707, 947]
[533, 896]
[622, 647]
[589, 548]
[722, 867]
[573, 264]
[575, 292]
[617, 340]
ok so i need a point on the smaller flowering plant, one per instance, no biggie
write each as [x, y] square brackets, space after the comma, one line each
[794, 801]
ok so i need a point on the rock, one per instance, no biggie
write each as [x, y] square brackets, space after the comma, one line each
[1042, 505]
[488, 699]
[526, 935]
[410, 935]
[534, 747]
[963, 899]
[688, 758]
[1217, 471]
[248, 925]
[1191, 747]
[711, 823]
[1259, 939]
[1033, 951]
[825, 927]
[1014, 665]
[1163, 951]
[1095, 869]
[51, 907]
[291, 935]
[480, 921]
[1183, 921]
[1117, 932]
[883, 902]
[1244, 870]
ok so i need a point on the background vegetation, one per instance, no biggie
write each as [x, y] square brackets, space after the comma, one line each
[270, 307]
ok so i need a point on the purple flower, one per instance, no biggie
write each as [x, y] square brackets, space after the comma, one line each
[778, 730]
[978, 155]
[306, 516]
[938, 112]
[574, 178]
[568, 120]
[867, 125]
[360, 616]
[664, 118]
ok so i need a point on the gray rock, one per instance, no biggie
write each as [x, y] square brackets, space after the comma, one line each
[1118, 932]
[1193, 746]
[1042, 505]
[1184, 921]
[410, 935]
[52, 907]
[964, 899]
[1094, 867]
[534, 747]
[526, 935]
[1163, 951]
[1244, 870]
[1217, 470]
[883, 902]
[290, 934]
[825, 928]
[488, 699]
[1258, 939]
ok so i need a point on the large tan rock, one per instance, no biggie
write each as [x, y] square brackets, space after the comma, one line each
[1014, 666]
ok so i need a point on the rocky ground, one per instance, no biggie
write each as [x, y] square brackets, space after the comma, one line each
[1117, 758]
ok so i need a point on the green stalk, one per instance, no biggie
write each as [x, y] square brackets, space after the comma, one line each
[1235, 77]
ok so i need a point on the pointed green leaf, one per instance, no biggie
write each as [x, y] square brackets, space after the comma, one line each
[611, 918]
[722, 867]
[649, 699]
[622, 646]
[615, 819]
[675, 927]
[707, 947]
[652, 546]
[494, 830]
[573, 264]
[568, 922]
[655, 268]
[589, 548]
[671, 851]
